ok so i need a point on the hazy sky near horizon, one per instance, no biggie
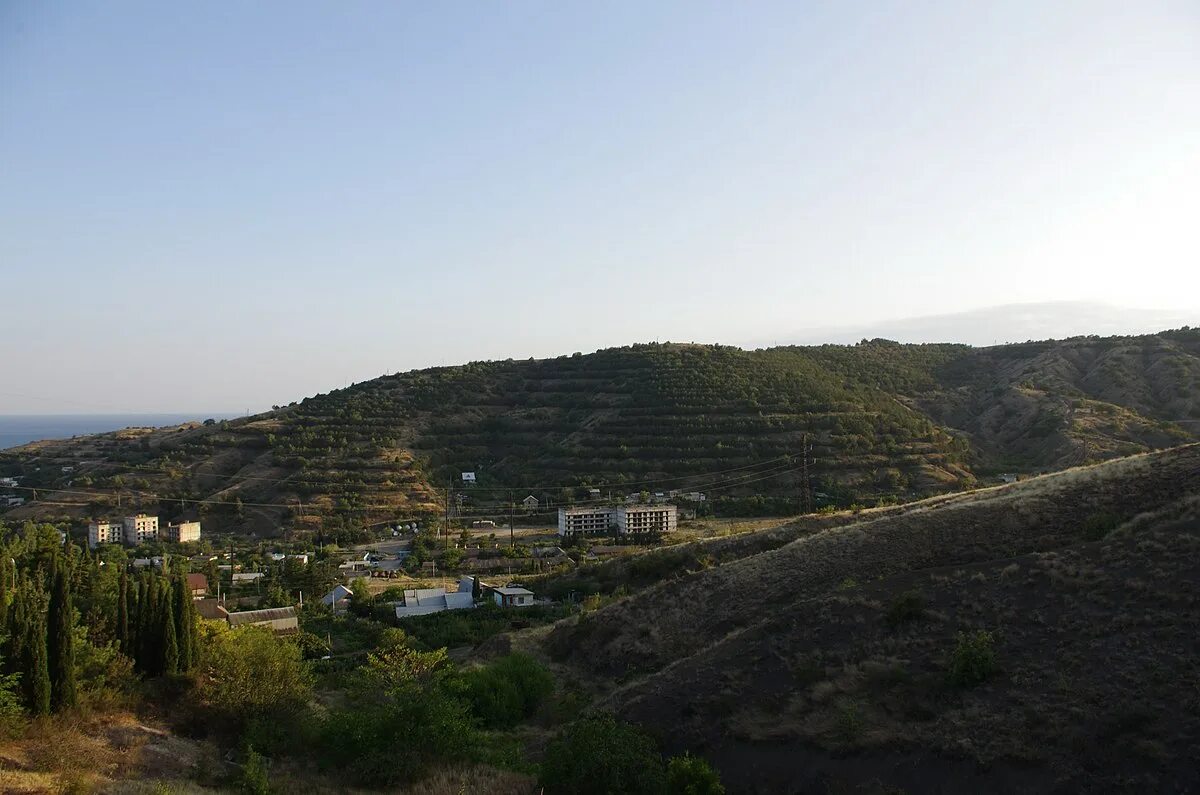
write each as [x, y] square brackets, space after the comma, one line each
[214, 206]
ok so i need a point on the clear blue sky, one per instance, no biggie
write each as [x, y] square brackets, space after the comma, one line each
[211, 206]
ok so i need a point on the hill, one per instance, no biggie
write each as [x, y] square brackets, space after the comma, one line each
[1038, 636]
[885, 420]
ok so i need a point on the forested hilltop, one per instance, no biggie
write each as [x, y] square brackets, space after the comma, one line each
[885, 421]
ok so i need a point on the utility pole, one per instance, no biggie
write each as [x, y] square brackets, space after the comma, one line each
[806, 504]
[512, 537]
[449, 489]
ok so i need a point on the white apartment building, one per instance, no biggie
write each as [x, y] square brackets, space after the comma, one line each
[140, 528]
[626, 519]
[105, 533]
[584, 521]
[183, 532]
[638, 519]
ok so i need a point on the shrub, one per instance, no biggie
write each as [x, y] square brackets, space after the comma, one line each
[973, 659]
[908, 606]
[601, 756]
[400, 720]
[1099, 525]
[692, 775]
[254, 779]
[249, 672]
[507, 691]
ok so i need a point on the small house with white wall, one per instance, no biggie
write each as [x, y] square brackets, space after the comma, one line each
[512, 596]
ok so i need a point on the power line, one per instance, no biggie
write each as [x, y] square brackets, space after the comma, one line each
[749, 477]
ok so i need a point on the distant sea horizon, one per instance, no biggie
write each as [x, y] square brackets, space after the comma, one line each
[19, 429]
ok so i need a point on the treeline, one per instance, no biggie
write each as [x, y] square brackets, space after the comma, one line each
[64, 619]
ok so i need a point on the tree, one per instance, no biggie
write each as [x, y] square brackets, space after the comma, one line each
[692, 775]
[169, 662]
[185, 623]
[36, 664]
[123, 613]
[398, 700]
[6, 572]
[62, 640]
[476, 590]
[248, 671]
[599, 756]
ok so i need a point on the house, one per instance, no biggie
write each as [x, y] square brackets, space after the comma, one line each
[198, 585]
[338, 599]
[247, 576]
[211, 609]
[12, 501]
[530, 503]
[8, 481]
[423, 601]
[280, 620]
[1008, 477]
[552, 556]
[182, 533]
[512, 596]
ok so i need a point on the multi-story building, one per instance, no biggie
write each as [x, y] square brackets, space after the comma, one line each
[140, 528]
[182, 533]
[104, 533]
[625, 519]
[584, 521]
[638, 519]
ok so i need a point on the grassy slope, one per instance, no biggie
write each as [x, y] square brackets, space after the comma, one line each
[783, 666]
[885, 418]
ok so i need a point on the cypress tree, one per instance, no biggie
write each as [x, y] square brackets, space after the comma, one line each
[123, 613]
[184, 622]
[62, 640]
[35, 674]
[144, 642]
[14, 658]
[6, 573]
[170, 641]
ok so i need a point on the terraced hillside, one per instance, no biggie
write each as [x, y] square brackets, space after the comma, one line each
[851, 659]
[885, 420]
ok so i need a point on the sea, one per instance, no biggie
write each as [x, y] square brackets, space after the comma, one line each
[18, 429]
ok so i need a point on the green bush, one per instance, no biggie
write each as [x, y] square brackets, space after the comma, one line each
[507, 691]
[601, 756]
[400, 719]
[908, 606]
[692, 775]
[254, 779]
[973, 660]
[1099, 525]
[248, 672]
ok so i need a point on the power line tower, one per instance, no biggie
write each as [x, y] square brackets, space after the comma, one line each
[806, 461]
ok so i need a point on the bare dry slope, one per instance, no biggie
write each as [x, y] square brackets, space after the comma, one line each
[822, 666]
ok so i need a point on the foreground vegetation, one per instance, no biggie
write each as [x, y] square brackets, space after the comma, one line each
[86, 644]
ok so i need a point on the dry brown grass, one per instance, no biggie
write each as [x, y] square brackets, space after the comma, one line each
[774, 670]
[100, 753]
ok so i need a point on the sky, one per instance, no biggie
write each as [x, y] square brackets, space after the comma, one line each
[221, 206]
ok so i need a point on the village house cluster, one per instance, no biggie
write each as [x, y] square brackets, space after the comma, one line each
[138, 529]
